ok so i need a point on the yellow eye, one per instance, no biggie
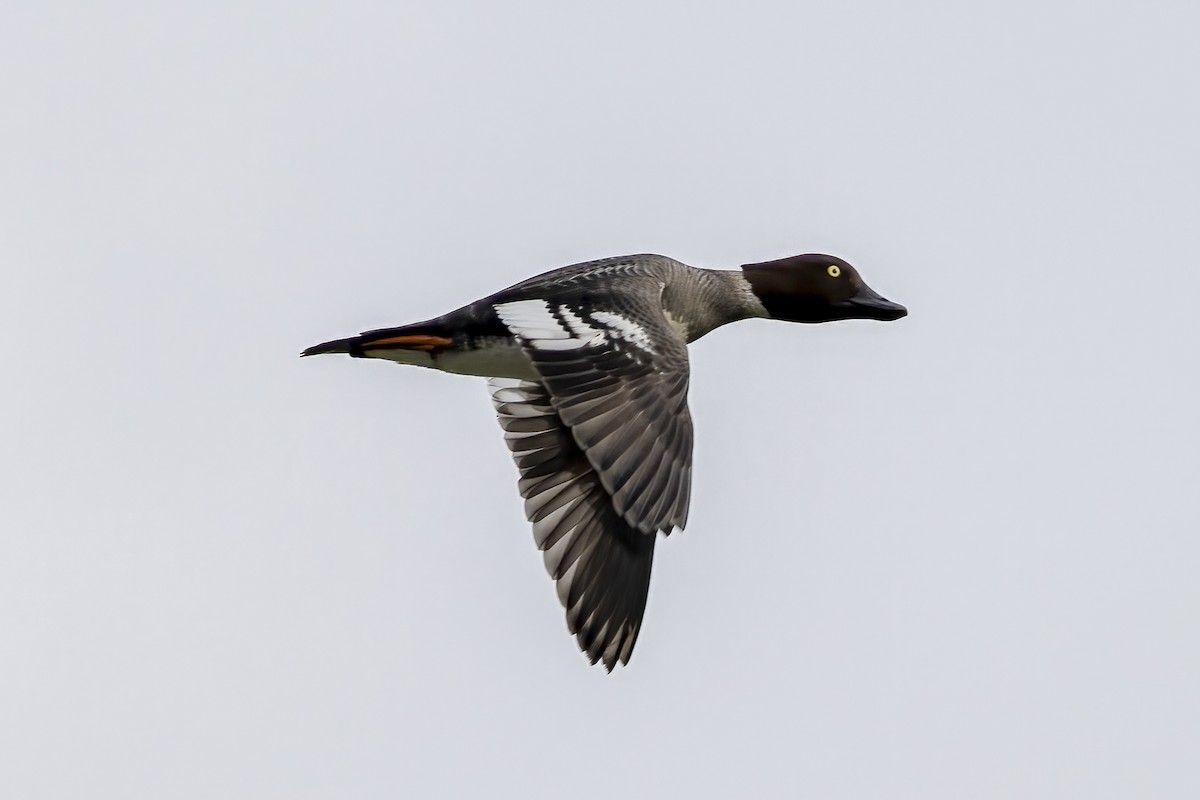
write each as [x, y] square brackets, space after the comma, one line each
[834, 270]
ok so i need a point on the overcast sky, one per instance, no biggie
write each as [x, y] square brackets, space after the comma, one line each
[953, 556]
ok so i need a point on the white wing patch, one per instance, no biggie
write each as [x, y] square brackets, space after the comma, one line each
[578, 327]
[531, 319]
[625, 328]
[534, 322]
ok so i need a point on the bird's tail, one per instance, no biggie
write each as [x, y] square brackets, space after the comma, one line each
[375, 344]
[336, 346]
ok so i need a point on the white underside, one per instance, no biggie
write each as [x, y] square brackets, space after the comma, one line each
[503, 359]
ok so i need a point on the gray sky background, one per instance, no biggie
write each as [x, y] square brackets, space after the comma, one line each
[953, 556]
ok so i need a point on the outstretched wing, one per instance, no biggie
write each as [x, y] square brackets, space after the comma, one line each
[600, 562]
[604, 444]
[617, 376]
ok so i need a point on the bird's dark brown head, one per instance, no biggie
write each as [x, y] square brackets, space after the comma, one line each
[817, 288]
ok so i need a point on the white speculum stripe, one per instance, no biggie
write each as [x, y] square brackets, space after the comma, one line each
[531, 319]
[624, 328]
[537, 324]
[577, 326]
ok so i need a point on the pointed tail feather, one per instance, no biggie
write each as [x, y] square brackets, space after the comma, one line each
[420, 337]
[336, 346]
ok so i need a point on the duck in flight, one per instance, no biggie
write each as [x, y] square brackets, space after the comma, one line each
[588, 370]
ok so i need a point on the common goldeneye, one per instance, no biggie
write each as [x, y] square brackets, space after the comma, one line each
[588, 371]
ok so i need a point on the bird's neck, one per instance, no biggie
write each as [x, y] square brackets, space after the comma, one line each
[714, 297]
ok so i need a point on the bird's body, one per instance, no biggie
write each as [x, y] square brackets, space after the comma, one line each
[693, 301]
[589, 377]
